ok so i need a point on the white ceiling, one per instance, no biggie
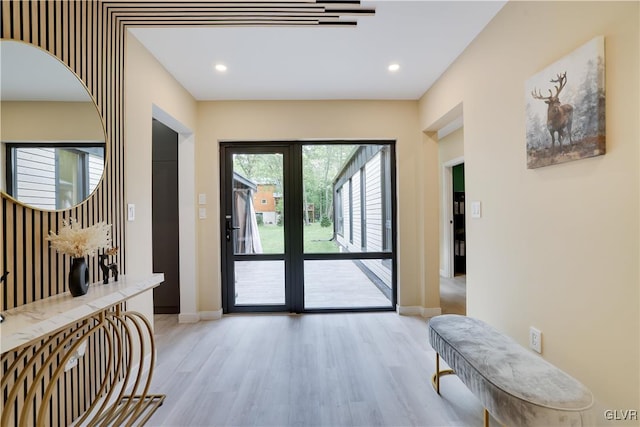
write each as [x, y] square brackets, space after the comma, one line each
[313, 63]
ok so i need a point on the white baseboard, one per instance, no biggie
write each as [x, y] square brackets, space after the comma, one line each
[409, 310]
[210, 315]
[426, 312]
[201, 315]
[188, 318]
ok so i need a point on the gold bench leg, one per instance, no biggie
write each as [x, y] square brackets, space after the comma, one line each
[435, 380]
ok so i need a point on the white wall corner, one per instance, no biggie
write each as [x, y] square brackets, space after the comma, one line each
[211, 315]
[188, 318]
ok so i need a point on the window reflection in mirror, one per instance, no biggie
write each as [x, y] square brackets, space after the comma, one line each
[52, 140]
[53, 176]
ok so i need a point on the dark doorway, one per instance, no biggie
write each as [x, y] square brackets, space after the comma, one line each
[459, 244]
[166, 255]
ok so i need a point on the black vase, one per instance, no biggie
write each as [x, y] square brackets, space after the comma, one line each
[78, 277]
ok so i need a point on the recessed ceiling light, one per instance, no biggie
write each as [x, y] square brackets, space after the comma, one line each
[221, 67]
[394, 67]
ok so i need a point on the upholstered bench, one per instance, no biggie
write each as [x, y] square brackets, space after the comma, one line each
[514, 385]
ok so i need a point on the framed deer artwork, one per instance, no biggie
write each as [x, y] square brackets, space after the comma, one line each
[564, 108]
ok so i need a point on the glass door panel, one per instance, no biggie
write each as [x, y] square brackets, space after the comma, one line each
[257, 203]
[259, 282]
[347, 212]
[255, 266]
[321, 163]
[353, 283]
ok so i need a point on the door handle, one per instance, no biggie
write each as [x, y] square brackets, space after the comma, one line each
[230, 228]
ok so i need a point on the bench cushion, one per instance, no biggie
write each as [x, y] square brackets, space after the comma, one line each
[515, 385]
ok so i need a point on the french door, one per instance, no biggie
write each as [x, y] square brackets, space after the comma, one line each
[308, 226]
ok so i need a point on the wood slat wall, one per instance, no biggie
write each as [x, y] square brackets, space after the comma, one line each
[80, 35]
[89, 37]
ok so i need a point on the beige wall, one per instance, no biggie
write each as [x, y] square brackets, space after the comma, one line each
[557, 247]
[265, 120]
[50, 121]
[147, 84]
[450, 147]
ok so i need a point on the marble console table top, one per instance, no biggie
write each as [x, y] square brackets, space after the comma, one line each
[41, 318]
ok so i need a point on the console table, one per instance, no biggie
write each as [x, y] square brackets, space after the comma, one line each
[93, 336]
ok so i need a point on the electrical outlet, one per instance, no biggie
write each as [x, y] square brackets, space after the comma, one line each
[535, 339]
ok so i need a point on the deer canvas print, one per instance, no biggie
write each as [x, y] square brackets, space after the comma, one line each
[565, 108]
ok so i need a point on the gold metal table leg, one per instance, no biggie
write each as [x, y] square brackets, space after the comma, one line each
[31, 374]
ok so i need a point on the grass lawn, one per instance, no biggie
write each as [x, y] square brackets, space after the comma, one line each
[272, 239]
[316, 239]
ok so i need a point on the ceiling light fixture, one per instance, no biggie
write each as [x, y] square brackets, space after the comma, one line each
[221, 67]
[394, 67]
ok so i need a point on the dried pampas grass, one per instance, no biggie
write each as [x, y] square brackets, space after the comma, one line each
[75, 241]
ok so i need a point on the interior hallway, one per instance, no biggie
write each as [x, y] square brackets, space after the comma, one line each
[453, 295]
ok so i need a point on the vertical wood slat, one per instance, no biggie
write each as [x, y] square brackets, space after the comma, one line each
[6, 19]
[28, 242]
[25, 34]
[19, 260]
[32, 15]
[9, 253]
[3, 261]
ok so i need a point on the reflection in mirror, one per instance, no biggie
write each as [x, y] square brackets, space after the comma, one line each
[53, 176]
[52, 151]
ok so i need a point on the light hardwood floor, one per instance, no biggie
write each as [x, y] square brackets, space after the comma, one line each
[453, 295]
[343, 369]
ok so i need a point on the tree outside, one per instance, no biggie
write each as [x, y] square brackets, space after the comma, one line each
[321, 163]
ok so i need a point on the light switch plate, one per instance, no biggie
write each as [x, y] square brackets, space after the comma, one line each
[202, 213]
[202, 199]
[476, 209]
[131, 212]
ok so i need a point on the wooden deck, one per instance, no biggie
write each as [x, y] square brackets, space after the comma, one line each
[328, 284]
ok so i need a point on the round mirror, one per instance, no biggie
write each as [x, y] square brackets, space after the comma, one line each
[52, 139]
